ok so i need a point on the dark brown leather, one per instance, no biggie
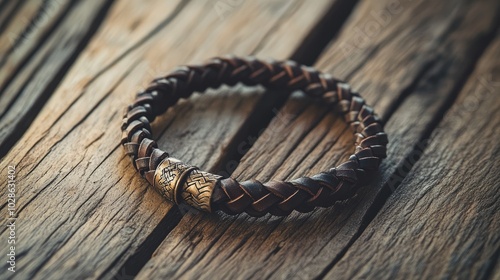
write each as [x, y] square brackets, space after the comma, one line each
[253, 197]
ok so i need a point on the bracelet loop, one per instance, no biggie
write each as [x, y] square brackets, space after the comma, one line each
[183, 183]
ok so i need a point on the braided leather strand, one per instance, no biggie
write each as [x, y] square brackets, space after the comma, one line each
[253, 197]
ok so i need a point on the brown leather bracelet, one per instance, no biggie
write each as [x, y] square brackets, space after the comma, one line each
[183, 183]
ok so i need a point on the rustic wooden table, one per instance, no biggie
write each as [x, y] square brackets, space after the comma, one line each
[430, 68]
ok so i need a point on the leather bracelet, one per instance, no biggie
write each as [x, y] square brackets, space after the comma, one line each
[183, 183]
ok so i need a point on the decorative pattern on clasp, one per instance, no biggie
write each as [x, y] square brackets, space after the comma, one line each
[198, 189]
[177, 180]
[169, 175]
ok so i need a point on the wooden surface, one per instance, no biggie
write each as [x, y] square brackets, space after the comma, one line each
[39, 43]
[430, 69]
[463, 240]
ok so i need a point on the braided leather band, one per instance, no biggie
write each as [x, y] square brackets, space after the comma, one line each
[184, 183]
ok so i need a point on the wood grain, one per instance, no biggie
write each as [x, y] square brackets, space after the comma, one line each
[97, 212]
[37, 47]
[442, 222]
[411, 79]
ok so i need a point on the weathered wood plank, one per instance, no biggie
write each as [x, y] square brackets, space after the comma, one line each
[24, 28]
[39, 44]
[443, 221]
[97, 212]
[410, 69]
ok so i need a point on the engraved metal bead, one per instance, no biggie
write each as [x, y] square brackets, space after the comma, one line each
[169, 175]
[198, 189]
[177, 180]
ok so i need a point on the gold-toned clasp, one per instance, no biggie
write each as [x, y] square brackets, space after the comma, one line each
[177, 180]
